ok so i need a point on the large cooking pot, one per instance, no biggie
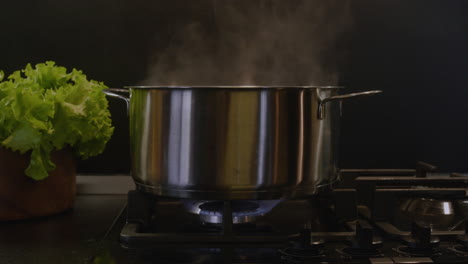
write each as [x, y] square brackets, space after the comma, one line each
[234, 142]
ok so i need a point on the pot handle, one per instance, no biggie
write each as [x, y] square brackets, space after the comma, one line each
[322, 102]
[112, 92]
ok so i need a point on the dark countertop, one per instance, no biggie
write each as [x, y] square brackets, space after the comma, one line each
[70, 237]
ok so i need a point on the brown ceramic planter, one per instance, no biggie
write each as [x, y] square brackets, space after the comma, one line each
[22, 197]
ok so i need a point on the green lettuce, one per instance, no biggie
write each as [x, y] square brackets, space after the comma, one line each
[45, 108]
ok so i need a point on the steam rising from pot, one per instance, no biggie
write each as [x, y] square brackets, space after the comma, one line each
[257, 42]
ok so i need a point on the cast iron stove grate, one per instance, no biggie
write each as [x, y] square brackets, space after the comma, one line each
[365, 227]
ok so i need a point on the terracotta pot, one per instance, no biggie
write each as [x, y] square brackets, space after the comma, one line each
[22, 197]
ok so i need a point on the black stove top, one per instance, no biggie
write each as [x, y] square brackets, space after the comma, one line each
[371, 216]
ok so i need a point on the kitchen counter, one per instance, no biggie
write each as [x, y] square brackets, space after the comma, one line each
[73, 236]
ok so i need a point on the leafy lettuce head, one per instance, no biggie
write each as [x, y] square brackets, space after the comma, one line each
[45, 108]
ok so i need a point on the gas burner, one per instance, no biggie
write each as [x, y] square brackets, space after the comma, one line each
[415, 243]
[243, 211]
[416, 252]
[436, 213]
[420, 243]
[301, 255]
[303, 247]
[365, 243]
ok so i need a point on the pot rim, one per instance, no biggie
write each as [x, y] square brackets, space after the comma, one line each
[254, 87]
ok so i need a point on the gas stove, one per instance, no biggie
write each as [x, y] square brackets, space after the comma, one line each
[372, 216]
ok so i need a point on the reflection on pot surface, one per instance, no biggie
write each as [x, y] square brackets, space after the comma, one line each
[234, 143]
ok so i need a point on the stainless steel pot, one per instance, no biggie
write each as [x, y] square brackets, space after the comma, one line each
[242, 142]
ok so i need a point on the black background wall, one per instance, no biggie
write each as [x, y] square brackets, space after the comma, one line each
[416, 51]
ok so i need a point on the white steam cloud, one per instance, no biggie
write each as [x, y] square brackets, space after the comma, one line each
[257, 42]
